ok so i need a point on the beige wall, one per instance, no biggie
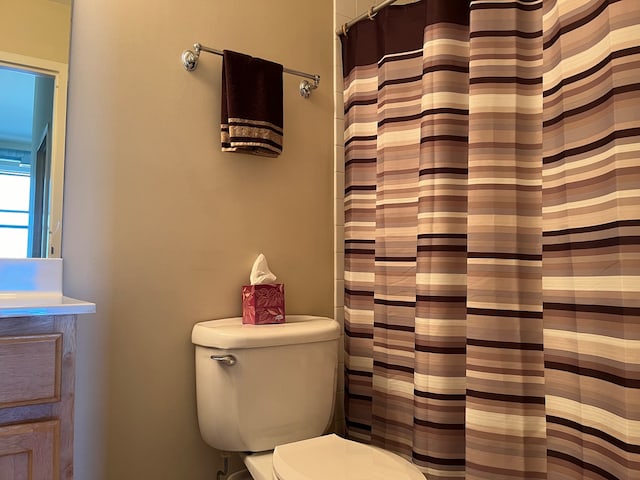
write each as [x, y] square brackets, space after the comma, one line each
[161, 228]
[36, 28]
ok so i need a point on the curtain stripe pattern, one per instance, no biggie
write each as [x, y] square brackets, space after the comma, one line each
[492, 237]
[505, 415]
[591, 218]
[406, 147]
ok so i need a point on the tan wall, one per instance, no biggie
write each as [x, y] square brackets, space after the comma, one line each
[161, 228]
[36, 28]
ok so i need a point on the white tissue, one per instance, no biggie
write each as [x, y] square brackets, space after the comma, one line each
[260, 273]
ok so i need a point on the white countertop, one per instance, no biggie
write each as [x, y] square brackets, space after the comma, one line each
[27, 305]
[33, 286]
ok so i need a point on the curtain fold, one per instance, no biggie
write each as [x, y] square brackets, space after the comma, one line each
[492, 237]
[591, 218]
[505, 416]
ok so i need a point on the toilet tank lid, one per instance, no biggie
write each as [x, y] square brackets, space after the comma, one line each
[232, 333]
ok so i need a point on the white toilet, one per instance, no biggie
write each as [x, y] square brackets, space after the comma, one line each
[268, 391]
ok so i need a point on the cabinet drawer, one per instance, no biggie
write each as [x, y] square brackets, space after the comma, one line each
[30, 369]
[29, 450]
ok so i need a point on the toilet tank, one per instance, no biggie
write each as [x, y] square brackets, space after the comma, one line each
[273, 384]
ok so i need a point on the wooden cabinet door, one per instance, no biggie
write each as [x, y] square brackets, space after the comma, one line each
[29, 451]
[30, 369]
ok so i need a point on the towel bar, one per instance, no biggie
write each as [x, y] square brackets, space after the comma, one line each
[190, 62]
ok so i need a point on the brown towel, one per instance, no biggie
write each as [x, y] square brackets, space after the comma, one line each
[251, 119]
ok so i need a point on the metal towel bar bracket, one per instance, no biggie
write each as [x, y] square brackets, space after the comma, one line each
[190, 62]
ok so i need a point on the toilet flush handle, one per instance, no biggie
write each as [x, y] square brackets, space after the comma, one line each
[224, 359]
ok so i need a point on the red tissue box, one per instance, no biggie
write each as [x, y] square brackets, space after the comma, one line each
[263, 304]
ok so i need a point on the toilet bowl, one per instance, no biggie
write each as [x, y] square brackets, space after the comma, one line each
[271, 389]
[241, 475]
[329, 457]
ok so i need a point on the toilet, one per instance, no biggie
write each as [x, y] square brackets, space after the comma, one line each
[268, 392]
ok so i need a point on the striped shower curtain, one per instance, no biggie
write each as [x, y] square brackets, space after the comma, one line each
[492, 237]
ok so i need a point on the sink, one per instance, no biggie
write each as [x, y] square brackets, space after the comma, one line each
[33, 286]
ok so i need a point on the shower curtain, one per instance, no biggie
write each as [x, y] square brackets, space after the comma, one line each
[492, 237]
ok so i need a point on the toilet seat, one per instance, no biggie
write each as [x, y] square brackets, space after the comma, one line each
[333, 457]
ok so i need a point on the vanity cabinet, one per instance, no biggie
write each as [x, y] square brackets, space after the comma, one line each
[37, 374]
